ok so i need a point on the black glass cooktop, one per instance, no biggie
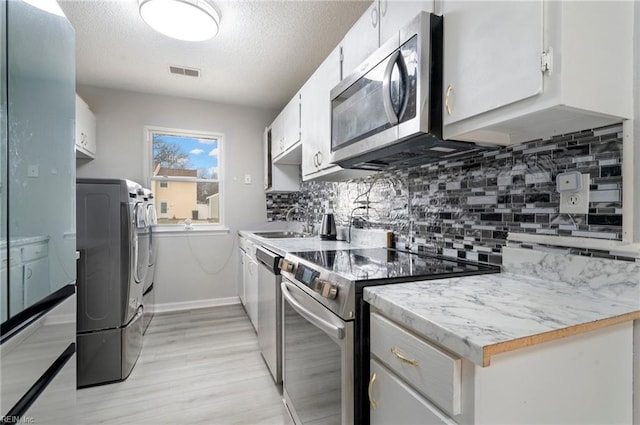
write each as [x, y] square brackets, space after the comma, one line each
[388, 264]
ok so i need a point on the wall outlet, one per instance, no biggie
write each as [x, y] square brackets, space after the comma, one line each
[576, 202]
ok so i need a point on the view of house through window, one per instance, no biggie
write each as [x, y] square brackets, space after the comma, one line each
[185, 177]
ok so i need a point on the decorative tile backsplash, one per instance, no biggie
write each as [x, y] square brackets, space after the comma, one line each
[466, 208]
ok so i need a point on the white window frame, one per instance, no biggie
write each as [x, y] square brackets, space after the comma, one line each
[148, 171]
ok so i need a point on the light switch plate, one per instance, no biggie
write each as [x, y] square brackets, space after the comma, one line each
[576, 202]
[247, 179]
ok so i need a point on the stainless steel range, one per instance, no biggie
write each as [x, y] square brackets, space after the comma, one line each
[326, 324]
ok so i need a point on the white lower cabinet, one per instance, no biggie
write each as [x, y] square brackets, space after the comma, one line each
[240, 277]
[584, 378]
[251, 290]
[394, 402]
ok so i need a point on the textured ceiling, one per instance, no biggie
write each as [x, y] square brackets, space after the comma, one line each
[264, 52]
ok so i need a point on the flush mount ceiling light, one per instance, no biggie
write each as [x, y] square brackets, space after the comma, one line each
[189, 20]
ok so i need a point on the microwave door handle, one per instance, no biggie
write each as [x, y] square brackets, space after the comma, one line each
[386, 88]
[334, 332]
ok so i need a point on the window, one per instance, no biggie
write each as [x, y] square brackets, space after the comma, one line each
[190, 161]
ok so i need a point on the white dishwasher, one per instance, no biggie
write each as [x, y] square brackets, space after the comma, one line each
[270, 310]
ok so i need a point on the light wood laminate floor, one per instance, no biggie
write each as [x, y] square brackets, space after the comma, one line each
[198, 367]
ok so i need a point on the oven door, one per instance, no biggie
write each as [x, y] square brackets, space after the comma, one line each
[317, 360]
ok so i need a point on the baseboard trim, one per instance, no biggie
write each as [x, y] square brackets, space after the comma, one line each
[193, 305]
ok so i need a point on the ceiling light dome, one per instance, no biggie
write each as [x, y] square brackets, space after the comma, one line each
[189, 20]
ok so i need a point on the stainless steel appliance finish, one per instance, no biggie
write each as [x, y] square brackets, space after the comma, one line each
[270, 311]
[148, 294]
[111, 217]
[388, 113]
[328, 227]
[325, 288]
[318, 360]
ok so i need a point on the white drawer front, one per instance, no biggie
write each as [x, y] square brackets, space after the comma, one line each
[35, 251]
[431, 371]
[396, 403]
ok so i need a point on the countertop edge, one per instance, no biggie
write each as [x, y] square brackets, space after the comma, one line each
[531, 340]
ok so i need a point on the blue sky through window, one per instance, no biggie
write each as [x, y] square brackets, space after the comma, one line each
[201, 154]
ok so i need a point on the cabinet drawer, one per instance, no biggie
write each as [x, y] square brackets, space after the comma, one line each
[35, 251]
[397, 403]
[430, 370]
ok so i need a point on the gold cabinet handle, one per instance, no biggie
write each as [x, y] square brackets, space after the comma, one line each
[372, 402]
[402, 358]
[446, 99]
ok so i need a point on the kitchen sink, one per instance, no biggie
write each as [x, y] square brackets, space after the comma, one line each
[283, 235]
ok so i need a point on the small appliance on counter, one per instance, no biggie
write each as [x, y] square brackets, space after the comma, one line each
[328, 227]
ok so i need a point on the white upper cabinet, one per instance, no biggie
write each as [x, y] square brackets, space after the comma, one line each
[394, 15]
[85, 130]
[518, 71]
[279, 176]
[316, 124]
[316, 115]
[285, 131]
[362, 39]
[379, 23]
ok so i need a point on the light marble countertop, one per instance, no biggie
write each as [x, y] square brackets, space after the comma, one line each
[479, 316]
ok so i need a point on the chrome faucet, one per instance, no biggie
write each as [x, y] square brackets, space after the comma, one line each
[307, 226]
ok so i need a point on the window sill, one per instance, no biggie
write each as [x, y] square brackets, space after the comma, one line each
[196, 229]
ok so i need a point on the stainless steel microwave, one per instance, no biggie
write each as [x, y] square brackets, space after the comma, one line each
[388, 113]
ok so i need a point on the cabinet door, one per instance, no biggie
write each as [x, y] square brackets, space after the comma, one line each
[492, 54]
[85, 130]
[277, 135]
[36, 281]
[394, 15]
[240, 277]
[291, 122]
[11, 290]
[251, 291]
[391, 401]
[361, 40]
[316, 115]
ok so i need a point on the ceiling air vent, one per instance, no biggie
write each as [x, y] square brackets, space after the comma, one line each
[189, 72]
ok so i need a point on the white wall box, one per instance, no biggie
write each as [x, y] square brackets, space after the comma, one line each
[85, 130]
[316, 124]
[518, 71]
[578, 379]
[378, 23]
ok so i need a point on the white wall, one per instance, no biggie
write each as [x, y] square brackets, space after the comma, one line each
[192, 268]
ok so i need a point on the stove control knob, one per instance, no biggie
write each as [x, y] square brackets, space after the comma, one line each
[287, 266]
[328, 290]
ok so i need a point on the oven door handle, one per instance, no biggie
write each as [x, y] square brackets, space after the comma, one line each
[335, 332]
